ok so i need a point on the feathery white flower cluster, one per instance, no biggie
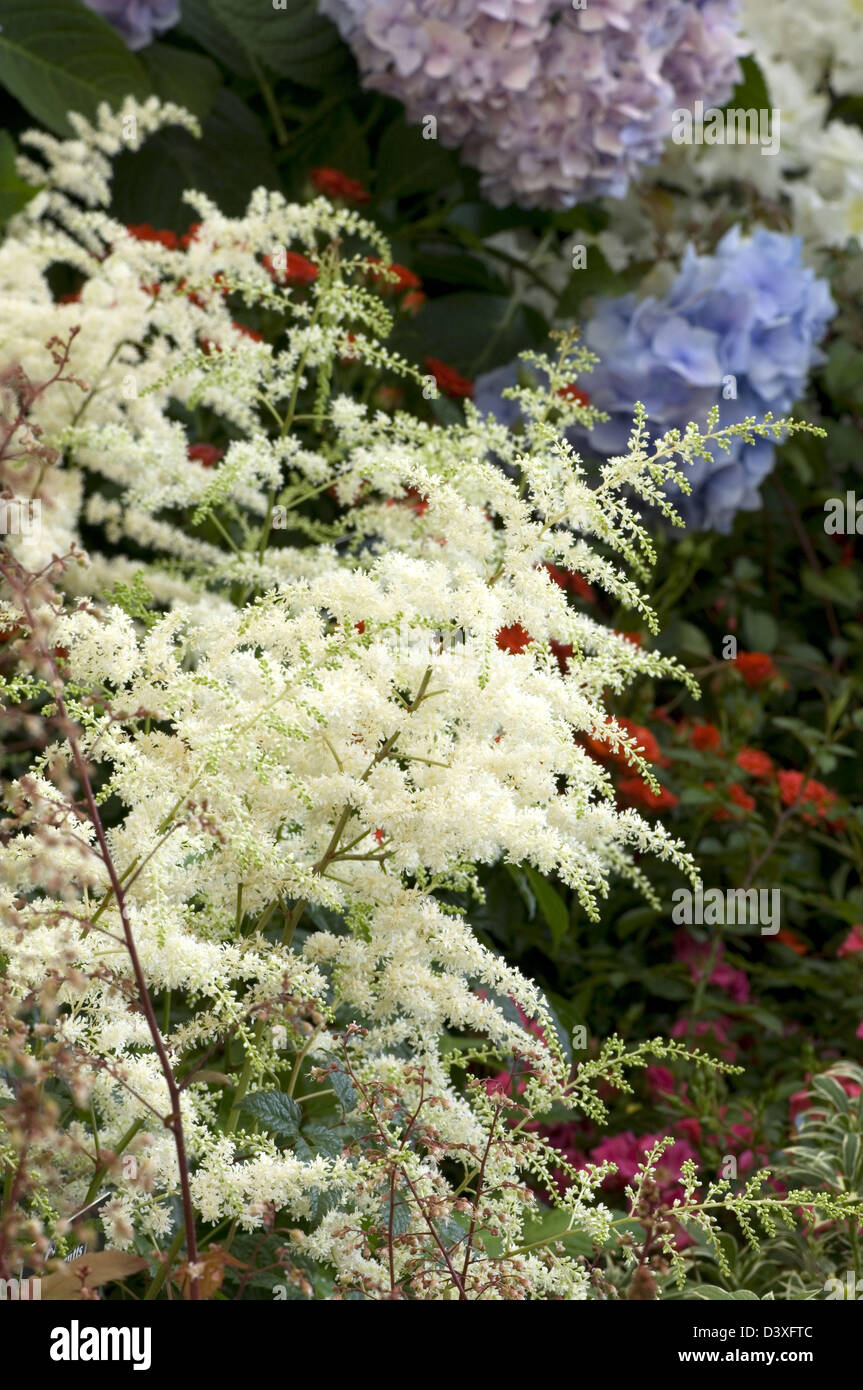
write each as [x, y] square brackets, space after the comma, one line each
[317, 743]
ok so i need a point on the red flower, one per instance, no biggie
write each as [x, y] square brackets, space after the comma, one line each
[755, 667]
[142, 231]
[206, 454]
[208, 347]
[334, 184]
[794, 788]
[406, 280]
[853, 941]
[513, 639]
[420, 505]
[794, 942]
[191, 235]
[647, 745]
[704, 737]
[570, 579]
[297, 269]
[637, 793]
[634, 637]
[563, 651]
[574, 393]
[756, 763]
[451, 382]
[413, 301]
[644, 740]
[740, 797]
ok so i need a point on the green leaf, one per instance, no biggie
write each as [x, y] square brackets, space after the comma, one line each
[321, 1139]
[67, 59]
[828, 1087]
[231, 158]
[472, 332]
[712, 1293]
[188, 79]
[344, 1089]
[751, 91]
[760, 631]
[552, 1226]
[295, 40]
[836, 584]
[199, 23]
[14, 192]
[843, 371]
[275, 1111]
[406, 163]
[337, 138]
[551, 904]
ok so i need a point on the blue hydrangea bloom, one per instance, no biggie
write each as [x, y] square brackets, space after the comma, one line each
[138, 22]
[738, 329]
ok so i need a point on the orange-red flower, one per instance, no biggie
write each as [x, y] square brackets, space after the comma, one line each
[574, 393]
[741, 797]
[205, 454]
[413, 301]
[799, 791]
[756, 668]
[736, 794]
[451, 382]
[644, 740]
[704, 737]
[638, 793]
[334, 184]
[297, 270]
[420, 504]
[794, 942]
[571, 579]
[406, 279]
[513, 639]
[142, 231]
[756, 763]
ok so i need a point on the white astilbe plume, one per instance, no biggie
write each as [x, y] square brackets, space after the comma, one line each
[309, 754]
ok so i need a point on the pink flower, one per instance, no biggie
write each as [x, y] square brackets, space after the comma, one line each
[853, 941]
[713, 1029]
[660, 1080]
[724, 976]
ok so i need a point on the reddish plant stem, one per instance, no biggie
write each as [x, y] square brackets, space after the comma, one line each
[174, 1121]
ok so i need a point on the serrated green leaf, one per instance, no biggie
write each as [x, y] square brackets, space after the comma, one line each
[274, 1111]
[344, 1089]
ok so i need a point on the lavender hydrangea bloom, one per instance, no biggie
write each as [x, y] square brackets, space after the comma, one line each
[138, 21]
[553, 104]
[738, 329]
